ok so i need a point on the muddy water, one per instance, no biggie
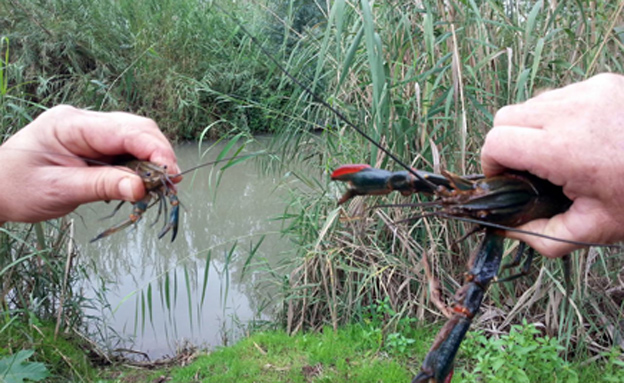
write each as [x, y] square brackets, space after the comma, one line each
[204, 287]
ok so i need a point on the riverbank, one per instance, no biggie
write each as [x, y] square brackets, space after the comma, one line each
[356, 353]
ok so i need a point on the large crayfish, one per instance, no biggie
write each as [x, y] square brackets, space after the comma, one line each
[158, 187]
[509, 199]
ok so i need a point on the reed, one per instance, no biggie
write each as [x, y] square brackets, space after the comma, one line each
[425, 79]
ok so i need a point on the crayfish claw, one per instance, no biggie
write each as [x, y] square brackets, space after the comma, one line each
[137, 213]
[423, 377]
[429, 377]
[172, 224]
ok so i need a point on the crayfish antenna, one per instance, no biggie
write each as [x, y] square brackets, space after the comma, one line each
[403, 205]
[508, 228]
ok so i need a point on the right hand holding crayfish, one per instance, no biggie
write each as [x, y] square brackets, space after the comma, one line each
[43, 172]
[573, 137]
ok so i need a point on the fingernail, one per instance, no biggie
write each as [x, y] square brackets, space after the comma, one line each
[126, 190]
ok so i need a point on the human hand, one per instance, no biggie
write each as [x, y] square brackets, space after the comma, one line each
[573, 137]
[43, 172]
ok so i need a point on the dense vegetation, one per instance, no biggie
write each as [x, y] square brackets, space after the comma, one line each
[180, 62]
[424, 78]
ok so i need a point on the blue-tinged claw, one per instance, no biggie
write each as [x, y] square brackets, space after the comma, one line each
[174, 218]
[438, 364]
[363, 180]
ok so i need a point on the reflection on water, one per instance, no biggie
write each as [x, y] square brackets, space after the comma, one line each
[198, 287]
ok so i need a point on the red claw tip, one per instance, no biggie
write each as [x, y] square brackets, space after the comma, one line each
[449, 377]
[348, 169]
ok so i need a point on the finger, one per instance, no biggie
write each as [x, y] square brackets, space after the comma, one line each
[547, 247]
[93, 134]
[82, 185]
[535, 113]
[519, 148]
[144, 140]
[578, 224]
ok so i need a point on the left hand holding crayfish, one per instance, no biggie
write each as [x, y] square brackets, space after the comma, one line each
[573, 137]
[43, 171]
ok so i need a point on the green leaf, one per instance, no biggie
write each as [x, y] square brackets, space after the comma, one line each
[498, 364]
[14, 369]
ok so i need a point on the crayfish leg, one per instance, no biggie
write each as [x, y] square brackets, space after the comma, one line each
[526, 266]
[174, 218]
[137, 213]
[162, 205]
[115, 210]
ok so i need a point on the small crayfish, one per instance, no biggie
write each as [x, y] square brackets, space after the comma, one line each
[509, 199]
[158, 187]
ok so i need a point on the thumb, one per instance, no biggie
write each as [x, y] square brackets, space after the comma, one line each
[554, 227]
[89, 184]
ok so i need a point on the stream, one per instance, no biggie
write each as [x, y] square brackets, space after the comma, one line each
[208, 284]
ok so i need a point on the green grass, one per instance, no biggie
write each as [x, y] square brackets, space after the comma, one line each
[276, 357]
[349, 355]
[361, 353]
[63, 355]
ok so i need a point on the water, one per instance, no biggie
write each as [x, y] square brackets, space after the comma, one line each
[155, 287]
